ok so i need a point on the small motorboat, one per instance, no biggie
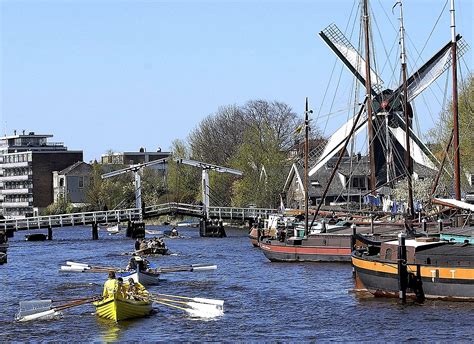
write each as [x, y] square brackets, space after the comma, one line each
[36, 237]
[117, 309]
[171, 233]
[112, 228]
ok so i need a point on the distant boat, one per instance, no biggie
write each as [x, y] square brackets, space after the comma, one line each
[112, 228]
[3, 257]
[188, 223]
[36, 237]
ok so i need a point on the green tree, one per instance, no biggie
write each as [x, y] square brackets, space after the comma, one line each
[265, 168]
[441, 133]
[184, 182]
[61, 206]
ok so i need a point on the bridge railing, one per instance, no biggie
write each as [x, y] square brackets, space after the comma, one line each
[132, 214]
[174, 207]
[73, 219]
[239, 213]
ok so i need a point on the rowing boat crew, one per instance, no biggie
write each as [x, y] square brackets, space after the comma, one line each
[128, 290]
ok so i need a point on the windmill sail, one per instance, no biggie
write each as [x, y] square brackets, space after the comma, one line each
[336, 141]
[432, 69]
[341, 46]
[419, 152]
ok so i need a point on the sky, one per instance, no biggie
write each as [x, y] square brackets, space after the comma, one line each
[119, 75]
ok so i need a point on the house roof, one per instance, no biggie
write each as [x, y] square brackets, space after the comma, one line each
[357, 166]
[73, 167]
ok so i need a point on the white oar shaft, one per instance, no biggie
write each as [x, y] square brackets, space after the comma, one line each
[196, 299]
[77, 264]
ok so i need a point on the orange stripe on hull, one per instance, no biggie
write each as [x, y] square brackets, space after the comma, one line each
[307, 250]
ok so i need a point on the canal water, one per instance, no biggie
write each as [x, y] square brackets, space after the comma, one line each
[263, 301]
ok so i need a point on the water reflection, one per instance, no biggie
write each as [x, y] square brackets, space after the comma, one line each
[109, 330]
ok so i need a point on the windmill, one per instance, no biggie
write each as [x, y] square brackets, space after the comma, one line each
[205, 177]
[136, 171]
[387, 112]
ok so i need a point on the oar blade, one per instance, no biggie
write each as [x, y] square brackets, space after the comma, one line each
[30, 309]
[207, 313]
[69, 268]
[209, 301]
[77, 264]
[45, 315]
[204, 268]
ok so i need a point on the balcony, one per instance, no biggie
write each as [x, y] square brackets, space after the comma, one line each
[15, 178]
[23, 191]
[16, 205]
[15, 164]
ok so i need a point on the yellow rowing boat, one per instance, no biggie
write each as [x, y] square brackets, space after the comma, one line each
[117, 309]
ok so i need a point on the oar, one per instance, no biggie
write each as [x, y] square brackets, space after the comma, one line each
[41, 309]
[194, 305]
[82, 265]
[195, 299]
[196, 310]
[187, 268]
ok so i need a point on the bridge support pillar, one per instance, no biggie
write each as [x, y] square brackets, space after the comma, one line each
[210, 228]
[128, 234]
[50, 233]
[10, 232]
[138, 230]
[95, 231]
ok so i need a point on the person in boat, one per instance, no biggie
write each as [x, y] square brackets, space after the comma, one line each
[136, 290]
[121, 290]
[137, 244]
[143, 246]
[174, 232]
[137, 262]
[113, 287]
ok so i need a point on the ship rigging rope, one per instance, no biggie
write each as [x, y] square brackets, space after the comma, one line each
[332, 72]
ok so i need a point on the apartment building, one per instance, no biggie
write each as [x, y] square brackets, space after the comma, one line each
[131, 158]
[27, 162]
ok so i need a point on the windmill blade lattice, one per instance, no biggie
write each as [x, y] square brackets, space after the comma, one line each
[344, 49]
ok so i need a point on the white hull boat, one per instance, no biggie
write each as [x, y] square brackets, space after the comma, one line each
[145, 278]
[112, 228]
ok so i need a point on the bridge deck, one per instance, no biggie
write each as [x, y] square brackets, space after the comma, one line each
[133, 214]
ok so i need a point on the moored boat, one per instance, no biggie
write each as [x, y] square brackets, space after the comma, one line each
[314, 248]
[117, 309]
[434, 269]
[267, 228]
[36, 237]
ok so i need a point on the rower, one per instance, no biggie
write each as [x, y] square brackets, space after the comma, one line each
[110, 286]
[138, 263]
[136, 290]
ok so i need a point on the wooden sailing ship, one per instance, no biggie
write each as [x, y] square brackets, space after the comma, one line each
[387, 111]
[421, 267]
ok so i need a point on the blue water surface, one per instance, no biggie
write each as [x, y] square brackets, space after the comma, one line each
[264, 301]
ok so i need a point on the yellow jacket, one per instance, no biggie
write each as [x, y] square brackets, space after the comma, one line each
[112, 287]
[137, 290]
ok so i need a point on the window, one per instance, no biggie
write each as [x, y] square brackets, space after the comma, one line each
[388, 254]
[81, 182]
[61, 182]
